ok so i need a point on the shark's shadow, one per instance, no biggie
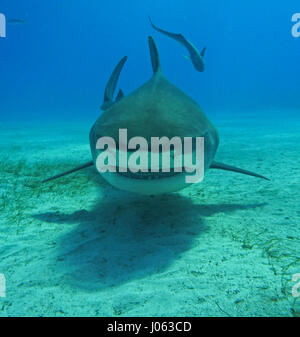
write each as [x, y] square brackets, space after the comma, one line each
[125, 239]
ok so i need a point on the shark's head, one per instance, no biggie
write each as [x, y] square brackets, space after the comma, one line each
[157, 109]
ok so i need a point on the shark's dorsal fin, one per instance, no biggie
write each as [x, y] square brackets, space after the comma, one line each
[221, 166]
[120, 95]
[111, 84]
[154, 56]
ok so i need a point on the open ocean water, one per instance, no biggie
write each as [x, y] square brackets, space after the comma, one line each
[77, 246]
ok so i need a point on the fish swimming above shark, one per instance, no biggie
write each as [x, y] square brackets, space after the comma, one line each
[156, 109]
[196, 57]
[14, 21]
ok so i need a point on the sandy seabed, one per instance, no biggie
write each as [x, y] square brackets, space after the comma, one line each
[77, 247]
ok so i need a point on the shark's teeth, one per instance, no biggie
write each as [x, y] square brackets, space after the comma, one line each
[148, 175]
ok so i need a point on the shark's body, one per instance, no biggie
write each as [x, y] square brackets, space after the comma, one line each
[156, 109]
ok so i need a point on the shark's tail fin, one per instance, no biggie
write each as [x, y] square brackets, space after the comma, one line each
[111, 85]
[90, 163]
[221, 166]
[154, 55]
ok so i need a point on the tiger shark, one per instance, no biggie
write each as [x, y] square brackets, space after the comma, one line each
[156, 109]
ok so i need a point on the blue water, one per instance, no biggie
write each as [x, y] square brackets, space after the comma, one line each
[58, 64]
[78, 246]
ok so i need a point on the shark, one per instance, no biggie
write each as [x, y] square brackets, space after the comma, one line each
[196, 57]
[156, 109]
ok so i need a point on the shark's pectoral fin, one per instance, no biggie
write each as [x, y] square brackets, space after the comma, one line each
[221, 166]
[90, 163]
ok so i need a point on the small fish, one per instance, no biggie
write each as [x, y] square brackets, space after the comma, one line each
[16, 21]
[196, 57]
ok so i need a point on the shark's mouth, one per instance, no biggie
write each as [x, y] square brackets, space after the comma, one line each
[147, 169]
[148, 175]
